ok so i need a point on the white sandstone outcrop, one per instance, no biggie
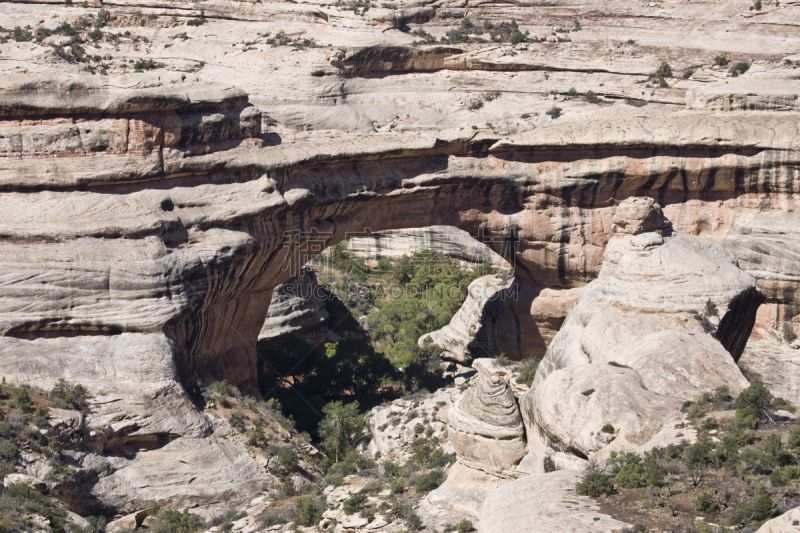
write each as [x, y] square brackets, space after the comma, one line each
[546, 503]
[662, 324]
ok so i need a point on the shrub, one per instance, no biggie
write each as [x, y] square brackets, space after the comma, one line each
[21, 398]
[167, 521]
[554, 112]
[794, 439]
[354, 504]
[721, 60]
[413, 521]
[257, 437]
[236, 420]
[777, 479]
[722, 393]
[146, 64]
[781, 404]
[527, 369]
[288, 459]
[198, 21]
[654, 472]
[518, 37]
[308, 510]
[740, 68]
[288, 487]
[466, 23]
[398, 486]
[595, 485]
[608, 428]
[418, 428]
[709, 424]
[631, 476]
[464, 526]
[8, 451]
[762, 507]
[427, 482]
[711, 308]
[788, 333]
[772, 445]
[592, 98]
[635, 102]
[757, 5]
[696, 411]
[55, 444]
[662, 83]
[664, 71]
[705, 503]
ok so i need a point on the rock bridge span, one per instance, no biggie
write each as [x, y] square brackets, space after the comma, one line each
[146, 221]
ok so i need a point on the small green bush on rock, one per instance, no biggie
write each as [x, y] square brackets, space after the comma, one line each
[595, 485]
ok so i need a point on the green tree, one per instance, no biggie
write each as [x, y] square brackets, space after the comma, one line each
[665, 71]
[351, 365]
[762, 507]
[697, 459]
[21, 398]
[772, 445]
[341, 428]
[288, 487]
[288, 459]
[755, 401]
[308, 510]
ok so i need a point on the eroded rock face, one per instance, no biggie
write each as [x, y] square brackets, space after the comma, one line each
[148, 218]
[297, 305]
[652, 331]
[485, 426]
[443, 241]
[544, 502]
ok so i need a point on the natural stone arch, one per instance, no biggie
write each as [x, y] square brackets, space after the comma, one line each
[176, 233]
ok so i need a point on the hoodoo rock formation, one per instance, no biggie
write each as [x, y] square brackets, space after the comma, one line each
[147, 218]
[485, 426]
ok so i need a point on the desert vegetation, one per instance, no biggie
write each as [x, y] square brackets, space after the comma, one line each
[743, 470]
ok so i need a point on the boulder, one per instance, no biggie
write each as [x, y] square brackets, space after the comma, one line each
[788, 522]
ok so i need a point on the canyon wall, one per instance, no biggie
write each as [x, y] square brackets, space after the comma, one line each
[148, 217]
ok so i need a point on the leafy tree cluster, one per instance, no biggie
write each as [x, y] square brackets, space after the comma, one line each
[433, 289]
[69, 395]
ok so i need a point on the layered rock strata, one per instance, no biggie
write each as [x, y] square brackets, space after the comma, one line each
[485, 426]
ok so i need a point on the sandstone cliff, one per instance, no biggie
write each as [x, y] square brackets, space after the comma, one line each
[147, 218]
